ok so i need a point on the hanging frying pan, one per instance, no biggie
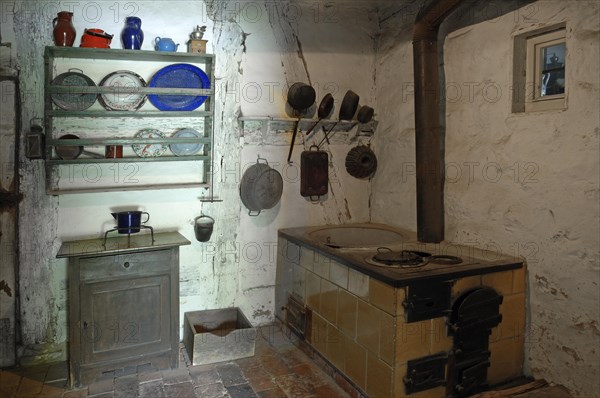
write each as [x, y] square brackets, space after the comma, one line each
[325, 108]
[301, 96]
[347, 111]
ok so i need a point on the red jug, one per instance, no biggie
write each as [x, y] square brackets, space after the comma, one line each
[64, 31]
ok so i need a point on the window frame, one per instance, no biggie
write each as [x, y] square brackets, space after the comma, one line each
[535, 45]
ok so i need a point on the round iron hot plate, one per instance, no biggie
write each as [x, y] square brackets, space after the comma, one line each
[445, 259]
[386, 257]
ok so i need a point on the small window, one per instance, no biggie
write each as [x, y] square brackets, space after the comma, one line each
[539, 73]
[546, 58]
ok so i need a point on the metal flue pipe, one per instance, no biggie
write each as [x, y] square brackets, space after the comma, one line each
[428, 130]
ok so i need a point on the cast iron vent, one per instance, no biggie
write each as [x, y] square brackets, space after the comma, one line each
[295, 315]
[425, 373]
[427, 300]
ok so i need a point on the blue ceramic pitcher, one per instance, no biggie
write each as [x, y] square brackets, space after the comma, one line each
[132, 35]
[165, 44]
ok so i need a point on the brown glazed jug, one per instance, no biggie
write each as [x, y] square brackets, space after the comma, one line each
[64, 31]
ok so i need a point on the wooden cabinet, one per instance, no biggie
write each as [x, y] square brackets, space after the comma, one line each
[97, 128]
[123, 304]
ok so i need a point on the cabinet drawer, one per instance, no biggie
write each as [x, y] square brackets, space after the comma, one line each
[144, 263]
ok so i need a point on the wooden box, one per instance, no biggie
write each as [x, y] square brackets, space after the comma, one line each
[197, 46]
[218, 335]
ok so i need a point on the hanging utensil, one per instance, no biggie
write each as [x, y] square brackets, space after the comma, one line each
[361, 162]
[203, 227]
[301, 96]
[347, 111]
[314, 168]
[261, 187]
[364, 116]
[325, 108]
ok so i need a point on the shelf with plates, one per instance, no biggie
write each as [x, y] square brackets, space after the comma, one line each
[98, 100]
[128, 114]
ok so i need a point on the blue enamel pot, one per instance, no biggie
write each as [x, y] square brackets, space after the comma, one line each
[129, 222]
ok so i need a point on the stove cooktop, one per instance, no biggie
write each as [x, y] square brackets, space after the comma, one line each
[400, 263]
[386, 257]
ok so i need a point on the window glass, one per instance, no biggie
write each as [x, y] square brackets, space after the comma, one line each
[552, 74]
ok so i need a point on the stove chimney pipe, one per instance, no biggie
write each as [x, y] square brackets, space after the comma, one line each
[429, 146]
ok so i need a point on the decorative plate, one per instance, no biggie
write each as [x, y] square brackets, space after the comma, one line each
[179, 76]
[149, 150]
[121, 100]
[186, 149]
[73, 101]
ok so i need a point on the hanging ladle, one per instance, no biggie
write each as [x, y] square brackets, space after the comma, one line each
[347, 110]
[325, 107]
[301, 96]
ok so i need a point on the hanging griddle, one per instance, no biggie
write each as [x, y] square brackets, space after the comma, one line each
[314, 168]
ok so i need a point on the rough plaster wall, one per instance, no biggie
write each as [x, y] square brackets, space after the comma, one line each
[237, 266]
[42, 325]
[284, 44]
[534, 190]
[525, 184]
[394, 186]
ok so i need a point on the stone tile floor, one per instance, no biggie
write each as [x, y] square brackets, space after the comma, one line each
[278, 369]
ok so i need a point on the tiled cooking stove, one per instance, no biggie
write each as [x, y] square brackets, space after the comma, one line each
[357, 315]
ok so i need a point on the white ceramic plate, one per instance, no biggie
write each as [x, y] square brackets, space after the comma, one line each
[149, 150]
[122, 100]
[186, 149]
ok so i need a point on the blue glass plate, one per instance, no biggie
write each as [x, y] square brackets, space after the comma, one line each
[179, 76]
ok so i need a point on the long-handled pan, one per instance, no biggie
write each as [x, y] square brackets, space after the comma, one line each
[325, 108]
[347, 111]
[301, 96]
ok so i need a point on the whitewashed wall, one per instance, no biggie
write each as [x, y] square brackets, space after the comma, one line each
[250, 40]
[521, 183]
[551, 222]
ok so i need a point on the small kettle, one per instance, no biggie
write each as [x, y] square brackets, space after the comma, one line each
[198, 32]
[165, 44]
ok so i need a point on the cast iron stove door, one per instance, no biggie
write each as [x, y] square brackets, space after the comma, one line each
[473, 316]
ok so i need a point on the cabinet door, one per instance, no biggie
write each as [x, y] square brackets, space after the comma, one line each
[125, 318]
